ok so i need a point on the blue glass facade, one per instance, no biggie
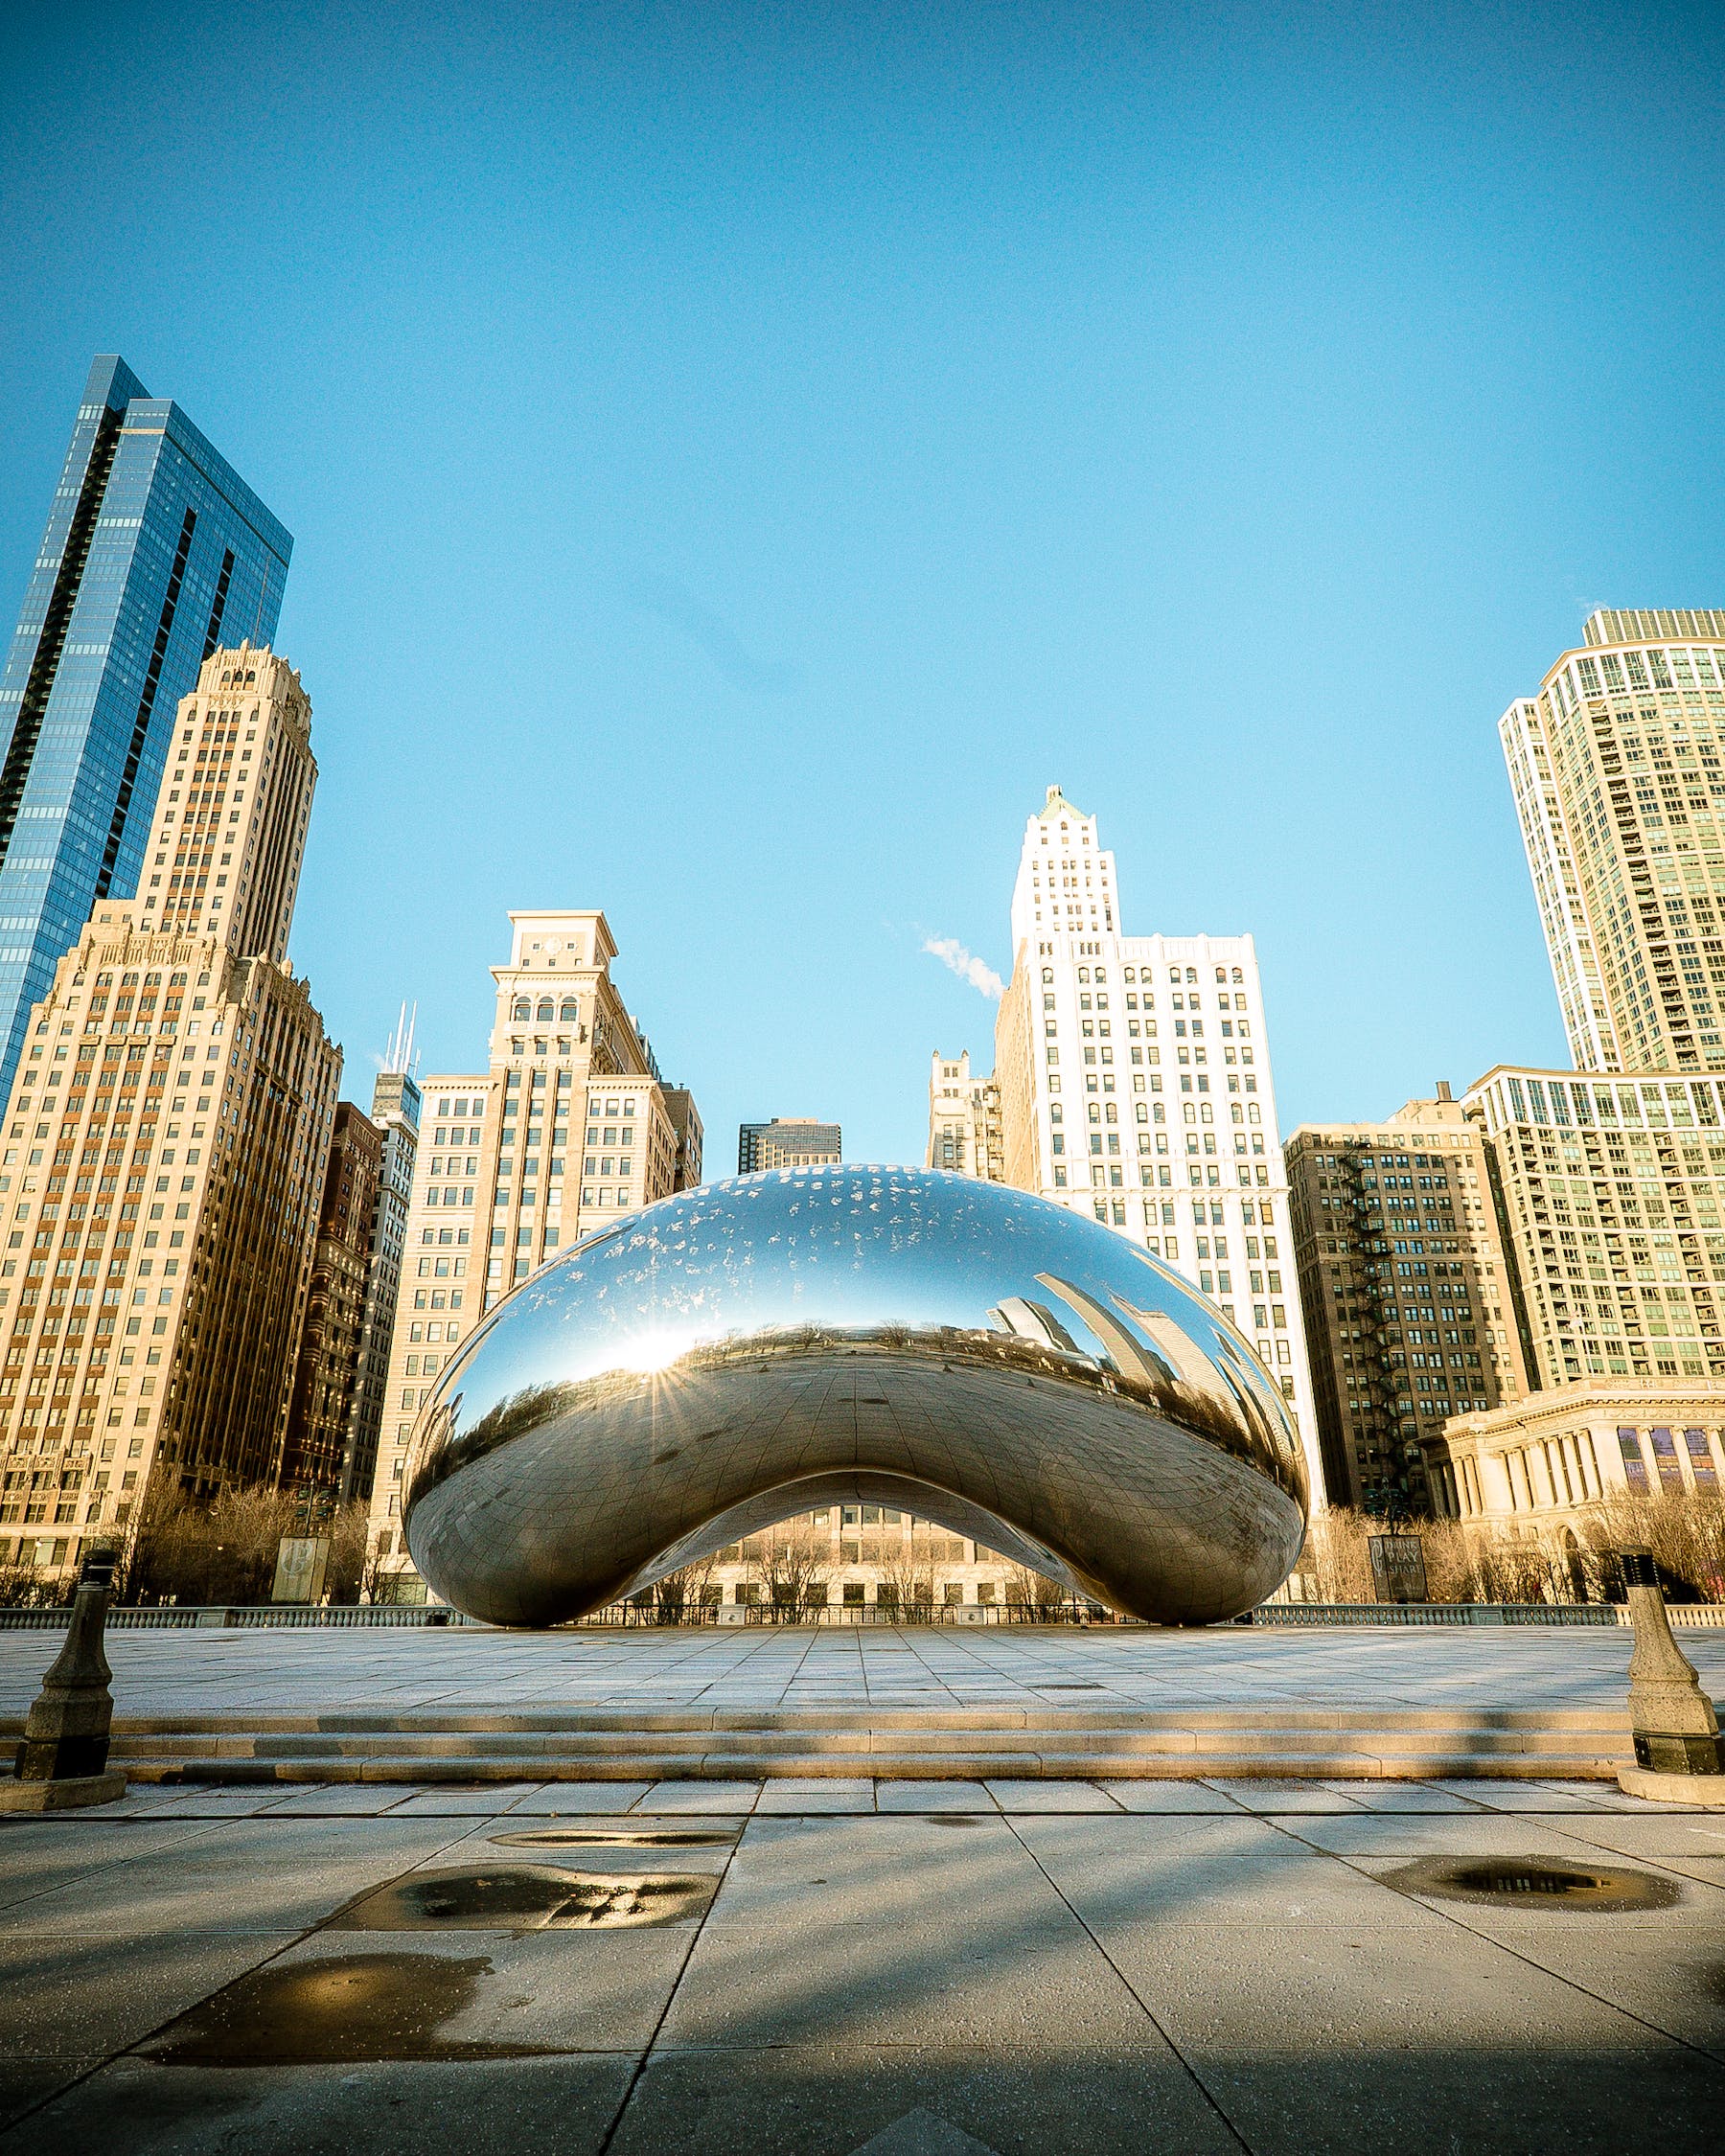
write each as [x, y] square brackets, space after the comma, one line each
[155, 552]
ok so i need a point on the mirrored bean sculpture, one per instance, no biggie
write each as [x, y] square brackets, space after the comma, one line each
[978, 1357]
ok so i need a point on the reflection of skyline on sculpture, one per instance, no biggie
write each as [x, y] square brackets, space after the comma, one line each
[744, 1351]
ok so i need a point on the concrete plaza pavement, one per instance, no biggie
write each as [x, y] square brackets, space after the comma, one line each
[246, 1672]
[911, 1970]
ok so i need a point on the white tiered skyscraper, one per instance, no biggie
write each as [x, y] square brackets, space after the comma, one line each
[1134, 1084]
[1618, 785]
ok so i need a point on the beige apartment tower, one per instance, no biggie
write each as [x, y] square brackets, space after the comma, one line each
[1611, 1200]
[1407, 1290]
[1617, 768]
[965, 1133]
[569, 1128]
[165, 1145]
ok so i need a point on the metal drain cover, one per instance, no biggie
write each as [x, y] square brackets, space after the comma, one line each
[621, 1838]
[1533, 1882]
[525, 1898]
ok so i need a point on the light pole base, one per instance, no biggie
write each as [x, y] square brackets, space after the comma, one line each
[65, 1796]
[1707, 1790]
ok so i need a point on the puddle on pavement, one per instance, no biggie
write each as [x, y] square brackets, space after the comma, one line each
[621, 1838]
[1533, 1882]
[346, 2009]
[525, 1898]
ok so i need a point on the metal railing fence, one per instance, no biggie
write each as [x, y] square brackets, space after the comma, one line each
[626, 1617]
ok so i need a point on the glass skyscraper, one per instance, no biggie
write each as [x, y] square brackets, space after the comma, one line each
[156, 551]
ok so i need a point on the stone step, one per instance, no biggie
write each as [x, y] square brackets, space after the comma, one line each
[1029, 1766]
[1088, 1741]
[855, 1745]
[557, 1721]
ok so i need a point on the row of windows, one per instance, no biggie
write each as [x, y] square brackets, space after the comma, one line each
[1145, 976]
[1201, 1174]
[1565, 1104]
[565, 1013]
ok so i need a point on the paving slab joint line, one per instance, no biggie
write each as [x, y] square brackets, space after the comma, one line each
[1455, 1915]
[640, 2065]
[1133, 1992]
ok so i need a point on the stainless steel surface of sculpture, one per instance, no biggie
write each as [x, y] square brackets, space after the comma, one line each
[745, 1351]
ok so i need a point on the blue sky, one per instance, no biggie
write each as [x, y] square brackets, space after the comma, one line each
[738, 458]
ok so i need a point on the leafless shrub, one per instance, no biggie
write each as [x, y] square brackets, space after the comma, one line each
[226, 1552]
[905, 1558]
[1033, 1591]
[790, 1561]
[685, 1588]
[1684, 1529]
[1467, 1563]
[23, 1588]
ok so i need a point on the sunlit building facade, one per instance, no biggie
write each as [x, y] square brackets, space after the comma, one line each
[965, 1135]
[166, 1139]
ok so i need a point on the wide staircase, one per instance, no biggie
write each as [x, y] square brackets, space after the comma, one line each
[1091, 1743]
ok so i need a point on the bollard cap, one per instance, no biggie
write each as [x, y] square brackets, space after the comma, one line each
[1638, 1568]
[98, 1567]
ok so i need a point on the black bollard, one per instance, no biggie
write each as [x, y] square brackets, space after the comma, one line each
[1677, 1745]
[62, 1759]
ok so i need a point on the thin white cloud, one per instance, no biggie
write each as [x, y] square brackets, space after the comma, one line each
[966, 965]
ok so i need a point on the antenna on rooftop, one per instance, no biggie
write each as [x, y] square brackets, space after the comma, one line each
[400, 1053]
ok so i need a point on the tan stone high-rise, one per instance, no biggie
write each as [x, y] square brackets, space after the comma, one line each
[164, 1148]
[965, 1133]
[571, 1128]
[1617, 768]
[1408, 1293]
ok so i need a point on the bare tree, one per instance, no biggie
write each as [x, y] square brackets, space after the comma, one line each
[906, 1561]
[1468, 1562]
[1684, 1529]
[23, 1588]
[790, 1561]
[226, 1551]
[375, 1575]
[1337, 1558]
[1033, 1591]
[686, 1590]
[350, 1553]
